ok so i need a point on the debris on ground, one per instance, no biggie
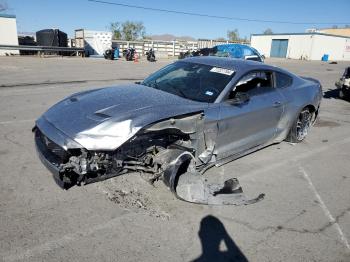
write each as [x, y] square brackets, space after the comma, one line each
[133, 193]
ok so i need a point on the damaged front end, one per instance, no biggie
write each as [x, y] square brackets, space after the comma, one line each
[173, 150]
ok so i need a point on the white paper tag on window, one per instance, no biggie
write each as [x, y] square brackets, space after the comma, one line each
[223, 71]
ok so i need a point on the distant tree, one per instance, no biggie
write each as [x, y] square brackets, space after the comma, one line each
[334, 26]
[133, 30]
[233, 35]
[128, 30]
[268, 31]
[115, 28]
[147, 37]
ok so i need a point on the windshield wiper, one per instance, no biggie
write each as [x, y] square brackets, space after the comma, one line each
[152, 84]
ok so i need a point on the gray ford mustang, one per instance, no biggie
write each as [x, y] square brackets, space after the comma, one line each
[185, 118]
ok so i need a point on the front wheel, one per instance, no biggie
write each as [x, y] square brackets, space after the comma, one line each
[301, 126]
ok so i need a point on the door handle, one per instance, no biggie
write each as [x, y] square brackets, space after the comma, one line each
[277, 104]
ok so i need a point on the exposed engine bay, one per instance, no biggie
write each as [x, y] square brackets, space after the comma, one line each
[145, 153]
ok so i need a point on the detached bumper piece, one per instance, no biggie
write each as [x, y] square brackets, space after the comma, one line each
[190, 186]
[195, 189]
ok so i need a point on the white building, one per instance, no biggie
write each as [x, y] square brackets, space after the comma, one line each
[308, 46]
[8, 33]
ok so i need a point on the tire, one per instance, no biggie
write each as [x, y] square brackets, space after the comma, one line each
[300, 127]
[341, 94]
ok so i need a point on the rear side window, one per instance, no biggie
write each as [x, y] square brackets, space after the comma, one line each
[283, 80]
[247, 51]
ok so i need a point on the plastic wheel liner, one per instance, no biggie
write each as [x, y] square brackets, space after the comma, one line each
[188, 185]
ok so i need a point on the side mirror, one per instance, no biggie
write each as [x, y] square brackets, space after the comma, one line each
[240, 98]
[254, 58]
[251, 57]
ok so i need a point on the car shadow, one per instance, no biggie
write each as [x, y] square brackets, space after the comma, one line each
[211, 233]
[332, 93]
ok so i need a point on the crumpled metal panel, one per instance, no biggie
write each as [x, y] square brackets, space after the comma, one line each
[195, 189]
[181, 177]
[187, 124]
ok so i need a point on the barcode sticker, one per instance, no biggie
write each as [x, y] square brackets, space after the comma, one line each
[223, 71]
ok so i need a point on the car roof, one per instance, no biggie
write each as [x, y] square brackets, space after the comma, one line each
[229, 63]
[232, 46]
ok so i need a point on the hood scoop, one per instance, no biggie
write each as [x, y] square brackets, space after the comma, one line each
[99, 116]
[102, 115]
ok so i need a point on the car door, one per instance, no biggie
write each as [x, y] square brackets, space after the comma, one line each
[246, 124]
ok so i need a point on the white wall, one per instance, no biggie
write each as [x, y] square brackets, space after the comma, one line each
[262, 43]
[338, 48]
[8, 34]
[306, 46]
[298, 45]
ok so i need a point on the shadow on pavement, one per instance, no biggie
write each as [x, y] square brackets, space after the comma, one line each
[211, 233]
[332, 93]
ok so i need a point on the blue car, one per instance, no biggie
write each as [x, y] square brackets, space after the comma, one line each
[238, 51]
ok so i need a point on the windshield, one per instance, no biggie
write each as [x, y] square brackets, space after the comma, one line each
[197, 82]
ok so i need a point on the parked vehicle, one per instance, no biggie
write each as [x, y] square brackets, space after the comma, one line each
[201, 52]
[183, 119]
[239, 51]
[227, 50]
[151, 57]
[109, 54]
[343, 85]
[129, 54]
[186, 54]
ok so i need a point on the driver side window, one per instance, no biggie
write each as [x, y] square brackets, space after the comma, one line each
[253, 83]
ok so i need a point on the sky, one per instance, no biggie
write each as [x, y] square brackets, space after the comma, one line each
[68, 15]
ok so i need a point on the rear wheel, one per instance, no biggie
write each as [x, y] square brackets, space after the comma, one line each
[301, 126]
[341, 94]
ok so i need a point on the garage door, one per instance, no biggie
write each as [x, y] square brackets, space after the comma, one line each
[279, 48]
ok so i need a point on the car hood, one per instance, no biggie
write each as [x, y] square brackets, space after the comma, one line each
[103, 119]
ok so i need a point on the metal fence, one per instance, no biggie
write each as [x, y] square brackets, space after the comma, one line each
[168, 48]
[203, 43]
[162, 48]
[43, 49]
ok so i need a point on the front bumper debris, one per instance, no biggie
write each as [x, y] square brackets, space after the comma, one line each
[196, 189]
[188, 185]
